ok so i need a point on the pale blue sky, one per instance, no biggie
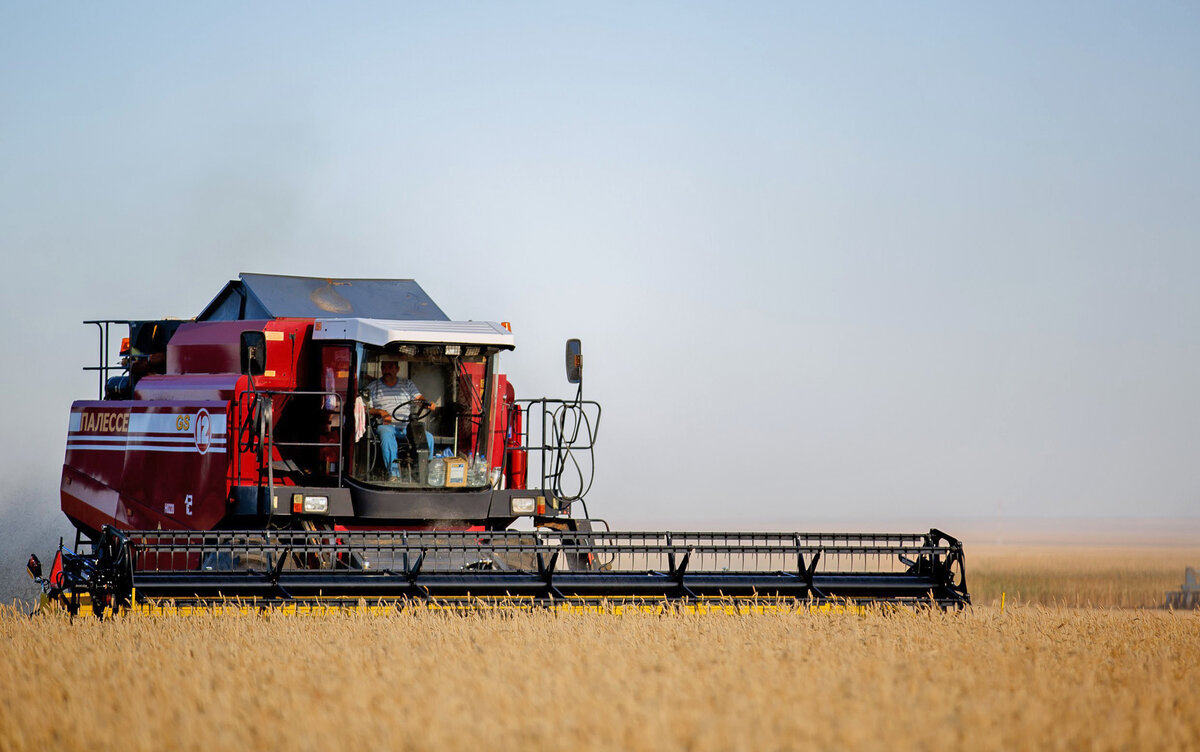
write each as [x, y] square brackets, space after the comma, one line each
[856, 261]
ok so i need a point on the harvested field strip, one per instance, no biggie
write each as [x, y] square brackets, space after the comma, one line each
[1097, 576]
[1028, 678]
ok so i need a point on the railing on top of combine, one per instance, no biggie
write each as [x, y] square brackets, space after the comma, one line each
[545, 567]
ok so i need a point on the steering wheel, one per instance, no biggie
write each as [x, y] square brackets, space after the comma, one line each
[421, 411]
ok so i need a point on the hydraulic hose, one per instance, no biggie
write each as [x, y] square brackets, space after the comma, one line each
[569, 423]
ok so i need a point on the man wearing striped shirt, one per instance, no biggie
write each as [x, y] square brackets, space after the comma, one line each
[388, 396]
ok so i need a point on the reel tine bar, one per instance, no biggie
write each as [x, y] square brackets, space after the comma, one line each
[863, 567]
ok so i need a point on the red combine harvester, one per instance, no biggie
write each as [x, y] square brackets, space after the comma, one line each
[317, 442]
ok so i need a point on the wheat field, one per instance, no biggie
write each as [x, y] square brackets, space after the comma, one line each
[1078, 574]
[1030, 677]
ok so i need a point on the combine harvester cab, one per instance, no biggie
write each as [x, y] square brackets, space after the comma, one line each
[321, 443]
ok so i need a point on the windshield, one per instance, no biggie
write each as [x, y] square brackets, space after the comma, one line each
[426, 425]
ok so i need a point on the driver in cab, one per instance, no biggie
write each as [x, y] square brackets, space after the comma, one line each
[392, 400]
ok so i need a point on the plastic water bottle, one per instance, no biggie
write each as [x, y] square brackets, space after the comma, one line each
[479, 468]
[437, 472]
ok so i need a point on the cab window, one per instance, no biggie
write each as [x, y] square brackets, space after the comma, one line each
[427, 426]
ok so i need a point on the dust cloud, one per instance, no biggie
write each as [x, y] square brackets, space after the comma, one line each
[29, 523]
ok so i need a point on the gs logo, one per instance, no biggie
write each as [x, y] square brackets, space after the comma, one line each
[183, 423]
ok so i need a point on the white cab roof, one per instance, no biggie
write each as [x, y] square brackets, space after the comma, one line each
[383, 332]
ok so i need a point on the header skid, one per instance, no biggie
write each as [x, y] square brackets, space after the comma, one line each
[382, 332]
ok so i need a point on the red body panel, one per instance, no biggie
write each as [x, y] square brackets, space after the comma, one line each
[146, 464]
[204, 386]
[515, 470]
[211, 347]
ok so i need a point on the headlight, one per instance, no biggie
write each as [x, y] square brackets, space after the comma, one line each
[523, 505]
[302, 503]
[316, 504]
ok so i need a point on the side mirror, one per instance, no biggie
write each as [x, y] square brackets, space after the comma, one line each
[574, 361]
[254, 353]
[34, 567]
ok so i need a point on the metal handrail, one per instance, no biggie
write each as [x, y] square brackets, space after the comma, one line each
[266, 427]
[544, 447]
[104, 368]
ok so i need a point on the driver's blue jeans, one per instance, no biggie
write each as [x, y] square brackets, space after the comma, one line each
[387, 443]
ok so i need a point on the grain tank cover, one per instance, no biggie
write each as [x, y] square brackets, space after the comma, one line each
[269, 296]
[382, 332]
